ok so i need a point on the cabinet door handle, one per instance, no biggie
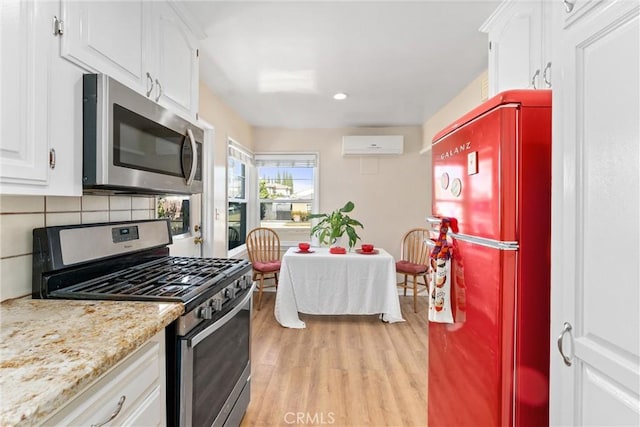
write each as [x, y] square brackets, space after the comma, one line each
[568, 5]
[198, 240]
[565, 330]
[150, 80]
[159, 90]
[544, 74]
[533, 79]
[115, 413]
[52, 158]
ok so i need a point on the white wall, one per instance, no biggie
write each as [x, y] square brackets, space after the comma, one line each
[469, 98]
[227, 124]
[389, 192]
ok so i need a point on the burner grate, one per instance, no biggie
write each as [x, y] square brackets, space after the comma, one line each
[169, 278]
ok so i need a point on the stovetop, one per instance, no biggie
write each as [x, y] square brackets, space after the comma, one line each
[167, 279]
[125, 261]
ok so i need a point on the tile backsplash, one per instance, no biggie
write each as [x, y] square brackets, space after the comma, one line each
[19, 215]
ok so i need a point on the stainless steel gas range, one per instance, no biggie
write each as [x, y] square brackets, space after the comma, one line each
[208, 347]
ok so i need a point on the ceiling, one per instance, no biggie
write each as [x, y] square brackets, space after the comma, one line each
[278, 64]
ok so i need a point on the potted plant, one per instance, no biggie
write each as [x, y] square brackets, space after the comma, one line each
[334, 225]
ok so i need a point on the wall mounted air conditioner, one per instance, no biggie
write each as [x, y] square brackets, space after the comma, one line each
[367, 145]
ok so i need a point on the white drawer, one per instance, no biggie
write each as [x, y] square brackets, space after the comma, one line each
[139, 378]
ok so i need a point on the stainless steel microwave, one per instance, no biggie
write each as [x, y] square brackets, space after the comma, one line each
[133, 145]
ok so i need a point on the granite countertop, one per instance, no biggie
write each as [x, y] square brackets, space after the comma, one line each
[50, 350]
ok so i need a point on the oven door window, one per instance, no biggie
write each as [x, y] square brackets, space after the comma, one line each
[218, 362]
[139, 143]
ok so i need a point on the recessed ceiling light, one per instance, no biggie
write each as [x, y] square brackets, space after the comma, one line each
[340, 96]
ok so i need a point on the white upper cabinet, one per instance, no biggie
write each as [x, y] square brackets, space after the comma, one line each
[105, 37]
[47, 46]
[519, 46]
[144, 45]
[40, 112]
[176, 62]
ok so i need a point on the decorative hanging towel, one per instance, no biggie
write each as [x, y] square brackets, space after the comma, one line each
[439, 275]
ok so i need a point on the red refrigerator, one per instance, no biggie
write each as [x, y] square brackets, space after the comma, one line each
[492, 173]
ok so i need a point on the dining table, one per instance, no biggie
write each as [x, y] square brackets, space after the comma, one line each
[319, 282]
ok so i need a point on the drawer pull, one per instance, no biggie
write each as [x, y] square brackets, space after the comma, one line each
[115, 413]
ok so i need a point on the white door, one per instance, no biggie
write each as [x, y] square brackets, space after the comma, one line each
[596, 215]
[189, 244]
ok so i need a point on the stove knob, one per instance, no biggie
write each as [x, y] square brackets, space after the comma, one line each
[205, 312]
[216, 304]
[230, 292]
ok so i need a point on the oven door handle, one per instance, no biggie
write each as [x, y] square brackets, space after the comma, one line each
[192, 342]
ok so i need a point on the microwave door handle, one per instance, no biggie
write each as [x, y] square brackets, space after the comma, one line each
[194, 163]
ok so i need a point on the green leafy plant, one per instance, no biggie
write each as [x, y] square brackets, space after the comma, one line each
[334, 225]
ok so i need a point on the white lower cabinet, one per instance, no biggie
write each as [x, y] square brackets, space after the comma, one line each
[131, 394]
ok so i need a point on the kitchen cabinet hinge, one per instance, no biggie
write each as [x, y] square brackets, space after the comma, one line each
[58, 26]
[489, 45]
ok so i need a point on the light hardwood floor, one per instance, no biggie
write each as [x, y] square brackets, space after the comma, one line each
[340, 371]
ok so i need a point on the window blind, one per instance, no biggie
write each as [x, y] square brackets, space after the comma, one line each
[287, 160]
[237, 151]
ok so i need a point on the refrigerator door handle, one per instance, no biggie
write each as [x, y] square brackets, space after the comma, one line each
[482, 241]
[433, 220]
[489, 243]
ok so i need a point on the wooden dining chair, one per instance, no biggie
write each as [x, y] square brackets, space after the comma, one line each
[263, 246]
[414, 261]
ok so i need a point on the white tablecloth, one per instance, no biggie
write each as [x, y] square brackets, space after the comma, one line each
[324, 283]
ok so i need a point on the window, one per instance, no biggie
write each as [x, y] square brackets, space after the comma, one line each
[239, 166]
[176, 209]
[286, 190]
